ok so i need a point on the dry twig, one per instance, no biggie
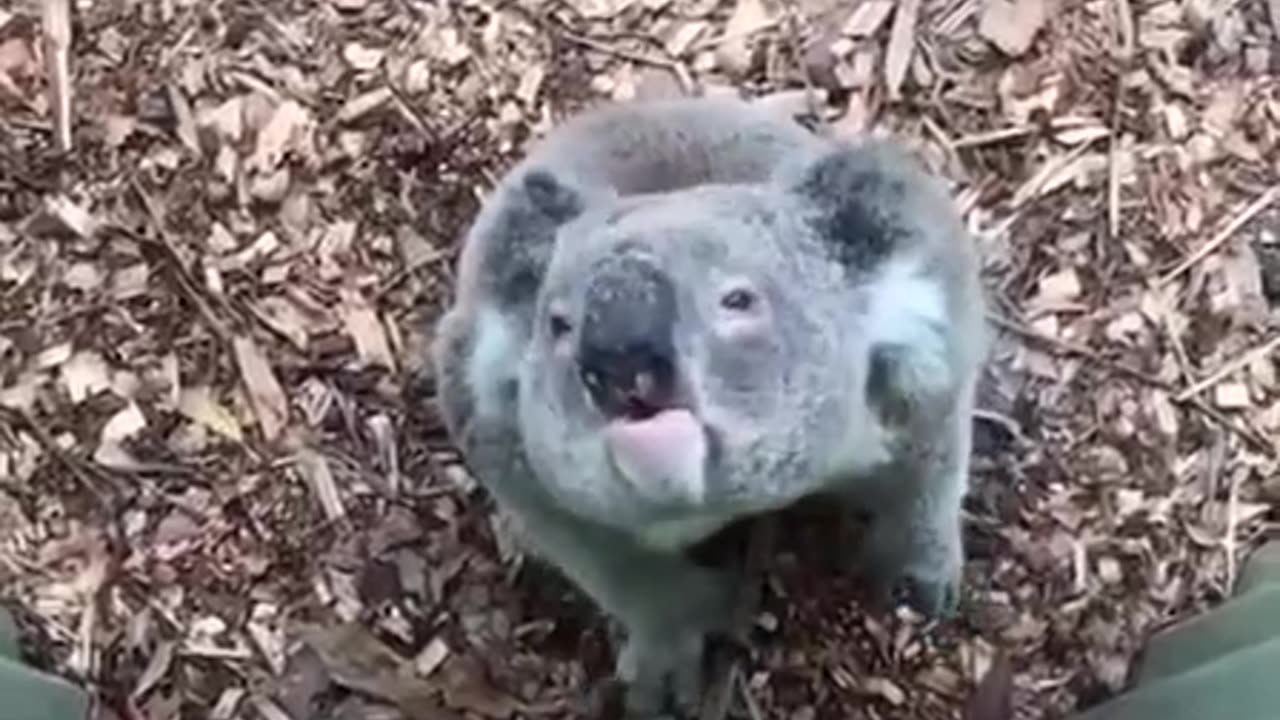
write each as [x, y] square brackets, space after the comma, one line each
[1227, 369]
[1239, 220]
[188, 284]
[57, 42]
[1247, 433]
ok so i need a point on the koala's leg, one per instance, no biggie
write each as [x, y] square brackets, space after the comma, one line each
[915, 533]
[667, 605]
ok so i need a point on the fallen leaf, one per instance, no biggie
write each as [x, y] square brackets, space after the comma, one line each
[130, 281]
[282, 316]
[17, 58]
[198, 405]
[684, 37]
[157, 667]
[315, 470]
[357, 660]
[1011, 25]
[885, 688]
[270, 405]
[228, 702]
[220, 239]
[466, 689]
[431, 657]
[184, 119]
[902, 40]
[1231, 396]
[749, 16]
[288, 123]
[117, 129]
[363, 104]
[364, 327]
[82, 276]
[1061, 286]
[263, 630]
[270, 187]
[84, 374]
[21, 393]
[867, 18]
[414, 249]
[530, 84]
[123, 425]
[72, 216]
[225, 119]
[360, 57]
[53, 356]
[992, 698]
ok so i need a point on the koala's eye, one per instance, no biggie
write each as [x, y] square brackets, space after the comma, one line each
[738, 299]
[558, 325]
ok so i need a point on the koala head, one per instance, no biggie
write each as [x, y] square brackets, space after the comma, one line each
[694, 354]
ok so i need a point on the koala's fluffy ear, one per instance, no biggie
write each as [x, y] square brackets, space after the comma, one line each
[859, 195]
[554, 197]
[893, 229]
[511, 243]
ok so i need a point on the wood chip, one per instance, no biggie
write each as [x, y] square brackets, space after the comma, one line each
[57, 36]
[359, 106]
[365, 328]
[198, 405]
[84, 374]
[287, 125]
[431, 657]
[1011, 25]
[902, 40]
[270, 405]
[315, 470]
[749, 17]
[868, 17]
[72, 216]
[186, 123]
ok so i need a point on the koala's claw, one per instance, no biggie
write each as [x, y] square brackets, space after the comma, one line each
[665, 684]
[936, 599]
[930, 586]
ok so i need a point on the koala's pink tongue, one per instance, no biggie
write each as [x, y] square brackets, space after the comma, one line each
[663, 454]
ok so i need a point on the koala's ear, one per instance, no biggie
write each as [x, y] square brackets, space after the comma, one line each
[857, 195]
[555, 197]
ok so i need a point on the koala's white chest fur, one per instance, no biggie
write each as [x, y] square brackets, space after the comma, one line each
[906, 309]
[677, 533]
[497, 342]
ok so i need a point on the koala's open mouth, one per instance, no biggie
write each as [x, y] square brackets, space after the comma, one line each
[663, 451]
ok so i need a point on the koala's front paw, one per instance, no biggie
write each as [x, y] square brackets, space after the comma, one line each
[663, 680]
[933, 592]
[927, 575]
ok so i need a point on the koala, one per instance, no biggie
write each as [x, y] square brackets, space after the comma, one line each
[675, 314]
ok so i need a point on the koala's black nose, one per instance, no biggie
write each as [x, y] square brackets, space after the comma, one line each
[626, 350]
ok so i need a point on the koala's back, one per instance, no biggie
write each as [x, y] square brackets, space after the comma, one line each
[665, 145]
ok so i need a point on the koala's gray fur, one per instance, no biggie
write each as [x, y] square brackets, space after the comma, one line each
[815, 305]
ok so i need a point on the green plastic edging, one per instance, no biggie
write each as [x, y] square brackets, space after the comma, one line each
[1262, 568]
[9, 647]
[1243, 685]
[1249, 619]
[28, 694]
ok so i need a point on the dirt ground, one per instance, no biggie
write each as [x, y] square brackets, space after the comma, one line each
[224, 492]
